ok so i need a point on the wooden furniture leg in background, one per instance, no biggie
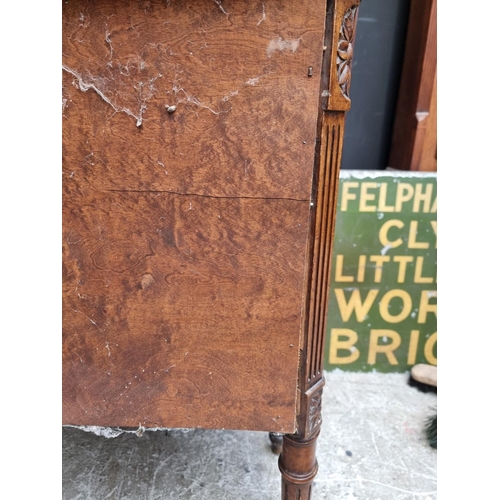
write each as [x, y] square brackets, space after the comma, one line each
[414, 137]
[276, 442]
[297, 462]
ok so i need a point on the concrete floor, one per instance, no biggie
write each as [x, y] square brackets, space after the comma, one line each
[375, 417]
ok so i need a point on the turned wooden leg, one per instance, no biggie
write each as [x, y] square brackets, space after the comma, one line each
[298, 466]
[276, 442]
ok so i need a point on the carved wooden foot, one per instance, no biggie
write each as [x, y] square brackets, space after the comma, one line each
[298, 466]
[276, 442]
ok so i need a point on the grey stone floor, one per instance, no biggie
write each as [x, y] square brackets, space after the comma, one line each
[375, 417]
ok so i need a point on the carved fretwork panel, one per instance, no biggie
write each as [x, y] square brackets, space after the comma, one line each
[345, 49]
[343, 34]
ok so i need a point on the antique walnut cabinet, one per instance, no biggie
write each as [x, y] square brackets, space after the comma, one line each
[201, 146]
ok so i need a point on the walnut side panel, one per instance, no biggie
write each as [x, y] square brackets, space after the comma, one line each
[186, 230]
[239, 82]
[181, 311]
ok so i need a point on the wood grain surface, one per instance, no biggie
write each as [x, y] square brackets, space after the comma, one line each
[185, 234]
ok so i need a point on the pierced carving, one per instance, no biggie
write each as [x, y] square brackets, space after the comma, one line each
[314, 420]
[345, 49]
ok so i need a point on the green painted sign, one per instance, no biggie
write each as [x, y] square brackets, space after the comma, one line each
[382, 311]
